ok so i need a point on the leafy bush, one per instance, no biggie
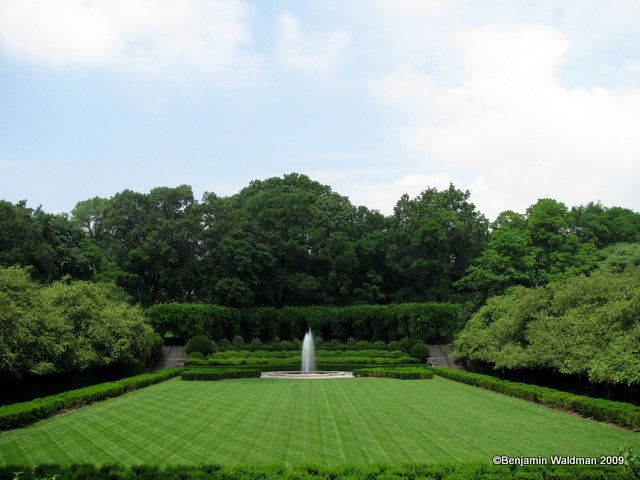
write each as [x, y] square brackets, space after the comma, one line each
[476, 471]
[620, 413]
[68, 326]
[238, 342]
[195, 356]
[21, 414]
[256, 344]
[588, 326]
[215, 374]
[419, 350]
[402, 373]
[200, 343]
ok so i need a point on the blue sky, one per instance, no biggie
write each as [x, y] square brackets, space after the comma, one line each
[513, 101]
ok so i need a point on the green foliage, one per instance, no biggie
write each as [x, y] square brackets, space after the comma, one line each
[620, 413]
[477, 471]
[620, 257]
[365, 322]
[433, 239]
[68, 326]
[583, 325]
[21, 414]
[196, 355]
[419, 350]
[291, 358]
[401, 373]
[215, 374]
[187, 319]
[238, 343]
[200, 343]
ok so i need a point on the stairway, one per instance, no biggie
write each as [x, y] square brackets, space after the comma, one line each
[171, 357]
[439, 356]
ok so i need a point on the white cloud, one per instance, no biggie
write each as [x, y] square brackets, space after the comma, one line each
[514, 129]
[180, 38]
[309, 52]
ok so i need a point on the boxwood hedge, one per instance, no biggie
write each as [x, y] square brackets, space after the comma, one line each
[620, 413]
[218, 374]
[24, 413]
[402, 373]
[376, 472]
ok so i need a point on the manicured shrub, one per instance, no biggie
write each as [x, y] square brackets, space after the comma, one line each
[195, 356]
[406, 343]
[458, 471]
[379, 345]
[620, 413]
[256, 344]
[200, 343]
[238, 342]
[216, 374]
[20, 414]
[224, 344]
[394, 346]
[402, 373]
[419, 350]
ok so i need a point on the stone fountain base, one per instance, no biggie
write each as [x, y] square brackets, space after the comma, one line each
[311, 375]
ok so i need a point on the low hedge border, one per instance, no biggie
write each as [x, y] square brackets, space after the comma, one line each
[405, 472]
[217, 374]
[407, 373]
[623, 414]
[276, 367]
[24, 413]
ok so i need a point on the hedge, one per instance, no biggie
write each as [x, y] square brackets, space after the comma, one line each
[405, 472]
[24, 413]
[407, 373]
[620, 413]
[362, 322]
[216, 374]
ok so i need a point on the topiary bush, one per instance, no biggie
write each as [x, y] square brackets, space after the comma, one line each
[200, 343]
[195, 356]
[238, 342]
[419, 350]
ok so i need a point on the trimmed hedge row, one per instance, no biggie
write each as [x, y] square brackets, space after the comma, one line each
[295, 361]
[24, 413]
[406, 373]
[620, 413]
[406, 472]
[364, 322]
[216, 374]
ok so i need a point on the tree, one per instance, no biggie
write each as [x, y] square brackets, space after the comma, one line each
[433, 239]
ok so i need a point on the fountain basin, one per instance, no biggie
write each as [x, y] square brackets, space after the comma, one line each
[306, 375]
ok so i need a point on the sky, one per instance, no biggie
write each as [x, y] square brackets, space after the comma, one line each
[514, 101]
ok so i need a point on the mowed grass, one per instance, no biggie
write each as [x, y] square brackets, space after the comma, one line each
[324, 422]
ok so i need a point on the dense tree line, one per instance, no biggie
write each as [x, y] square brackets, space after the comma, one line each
[293, 241]
[67, 326]
[584, 325]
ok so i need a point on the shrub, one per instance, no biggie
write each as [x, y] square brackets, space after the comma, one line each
[195, 356]
[406, 343]
[620, 413]
[200, 343]
[216, 374]
[238, 342]
[394, 346]
[379, 345]
[419, 350]
[402, 373]
[476, 471]
[256, 344]
[224, 344]
[21, 414]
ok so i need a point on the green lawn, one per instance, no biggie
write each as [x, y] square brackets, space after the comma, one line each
[361, 420]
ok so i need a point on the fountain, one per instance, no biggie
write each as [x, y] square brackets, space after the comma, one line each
[308, 369]
[308, 353]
